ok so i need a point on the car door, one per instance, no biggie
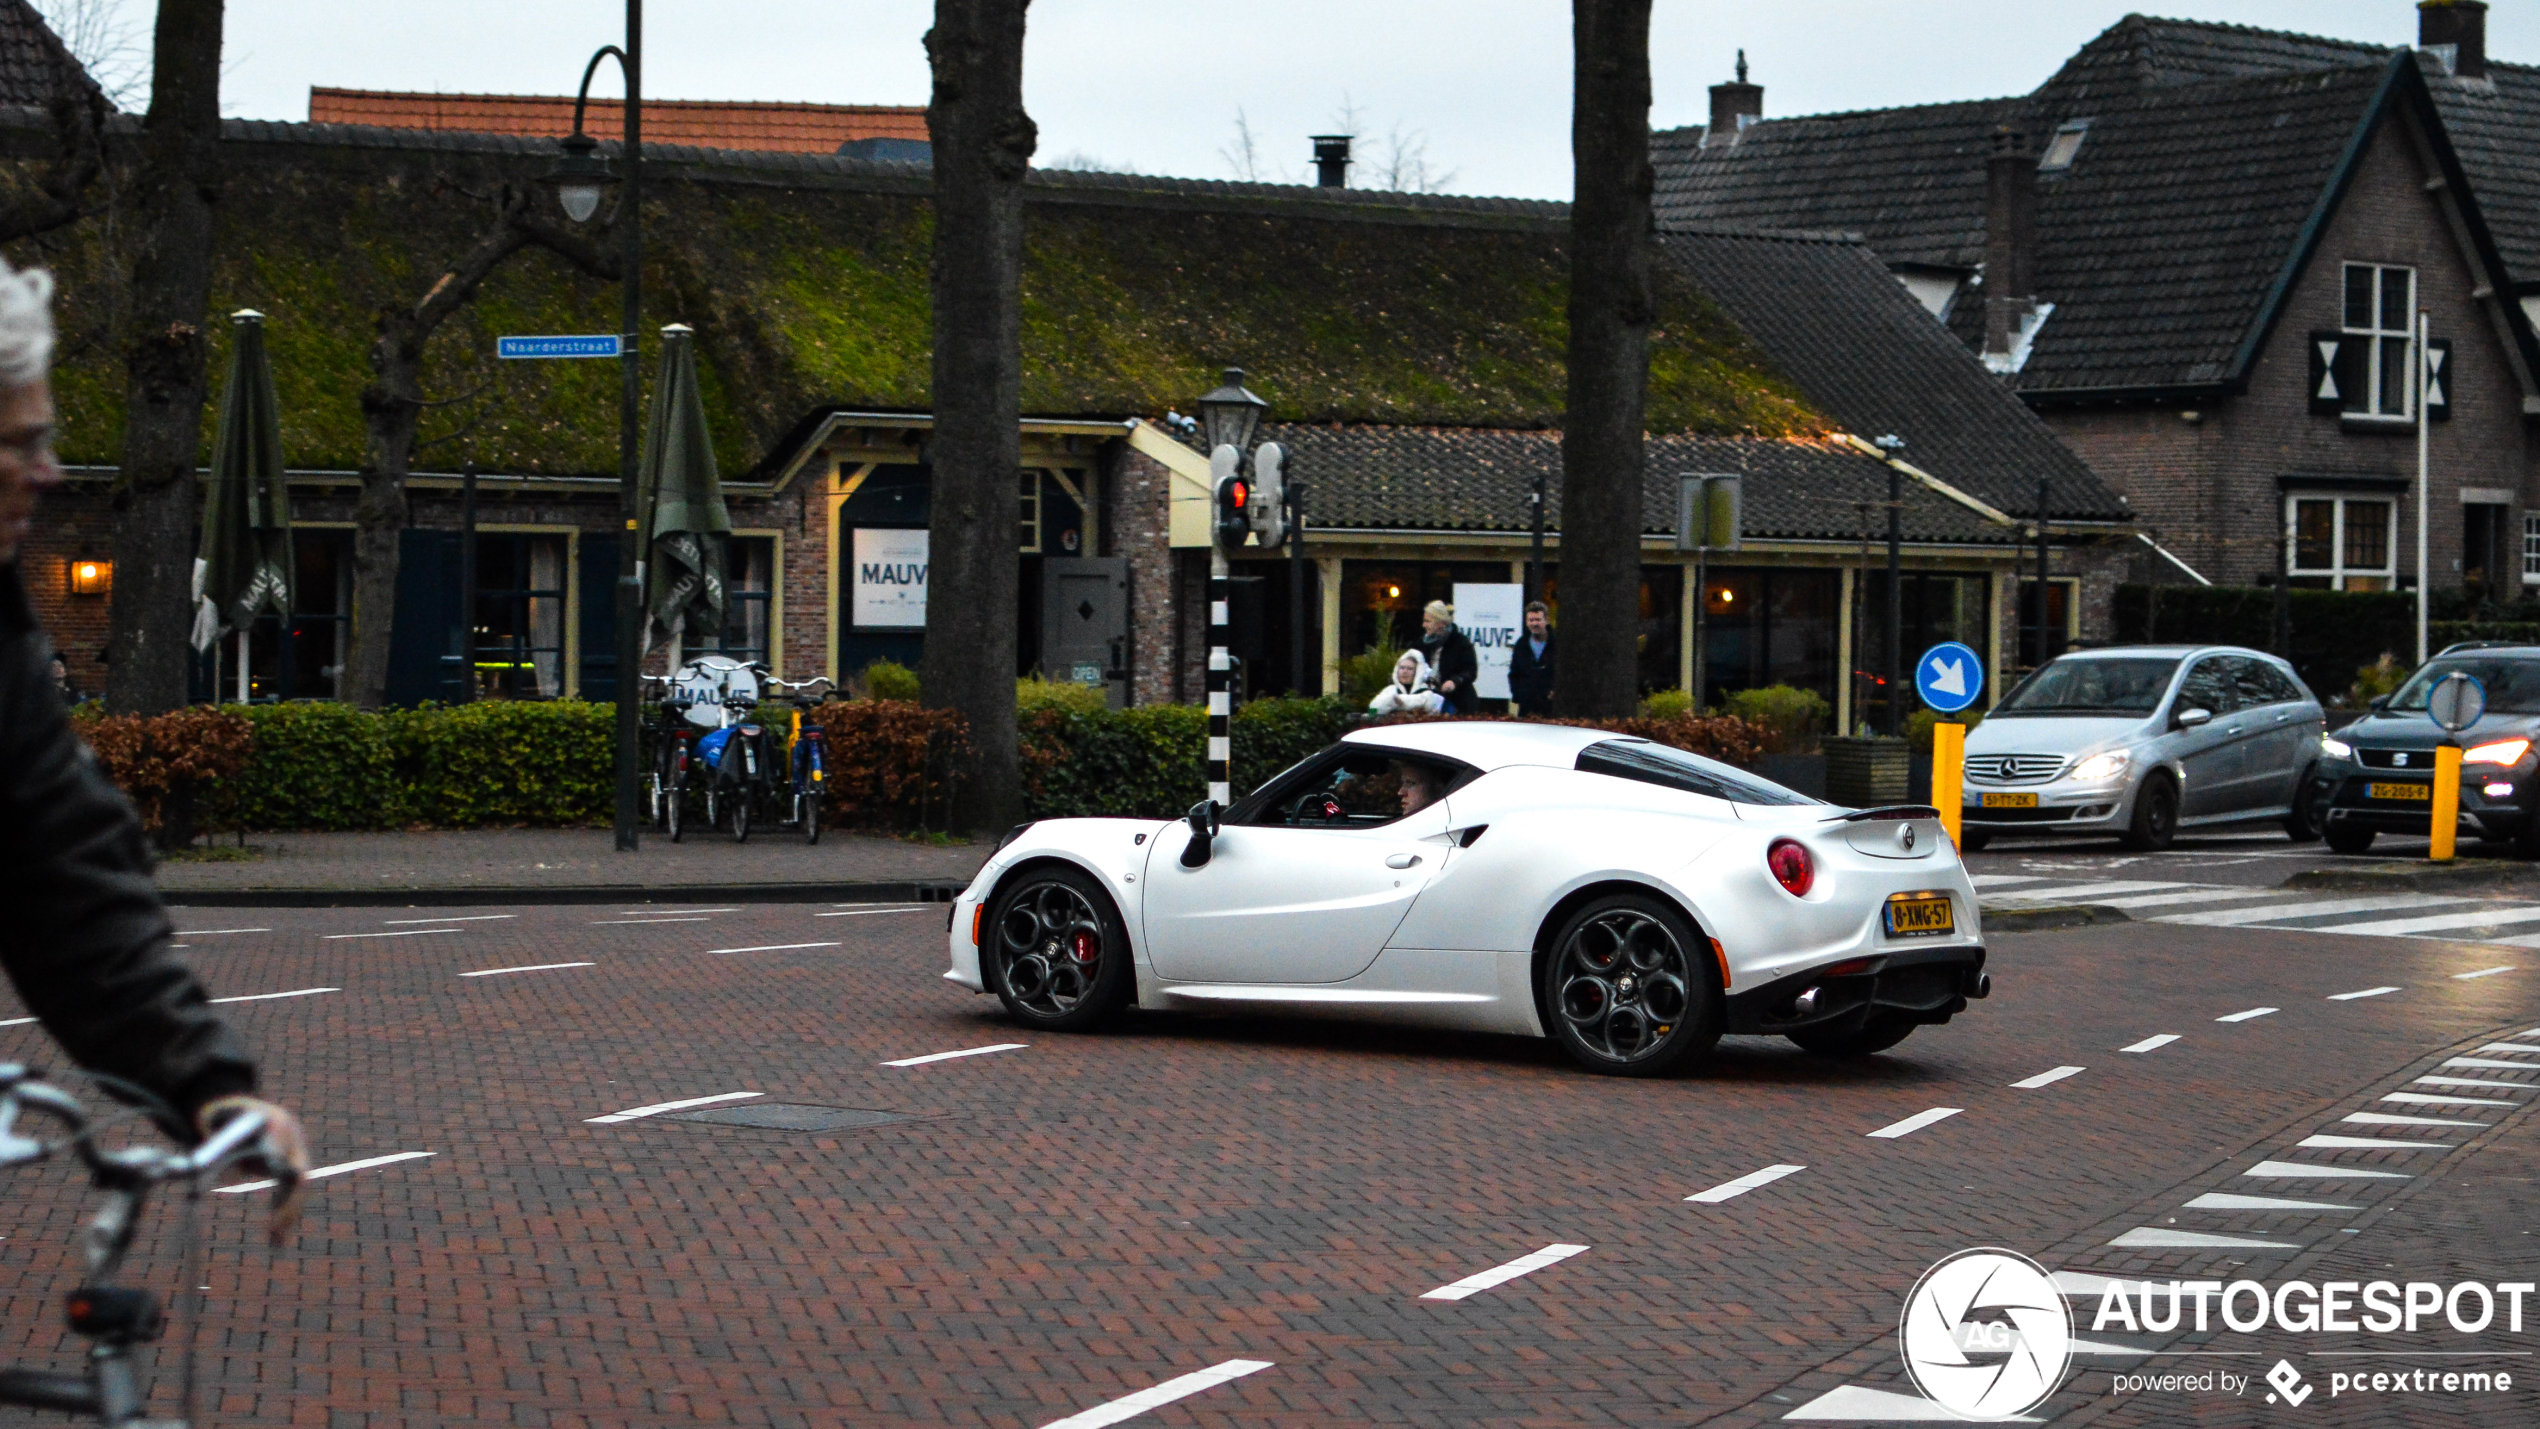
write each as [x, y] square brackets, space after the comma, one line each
[2284, 736]
[1278, 904]
[2210, 755]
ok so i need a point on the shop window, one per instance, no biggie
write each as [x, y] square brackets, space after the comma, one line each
[2343, 542]
[749, 593]
[518, 630]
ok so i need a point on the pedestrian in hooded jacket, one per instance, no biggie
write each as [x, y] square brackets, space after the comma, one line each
[1453, 662]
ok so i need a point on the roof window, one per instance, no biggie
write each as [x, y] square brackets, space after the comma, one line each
[2061, 148]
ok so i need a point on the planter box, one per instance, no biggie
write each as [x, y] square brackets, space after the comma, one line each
[1866, 771]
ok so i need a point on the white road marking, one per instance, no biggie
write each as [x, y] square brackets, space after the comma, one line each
[2207, 895]
[669, 912]
[2482, 972]
[2352, 996]
[1501, 1275]
[322, 1172]
[216, 932]
[2444, 922]
[2471, 1082]
[2507, 1047]
[2378, 1118]
[2044, 1078]
[2082, 1286]
[2225, 1201]
[470, 918]
[1859, 1403]
[2093, 892]
[401, 933]
[2153, 1043]
[2316, 908]
[2490, 1064]
[637, 1113]
[872, 912]
[1182, 1387]
[2245, 1016]
[2351, 1143]
[1996, 880]
[965, 1052]
[1730, 1190]
[2155, 1238]
[269, 996]
[531, 968]
[769, 948]
[1915, 1123]
[2421, 1099]
[2298, 1171]
[642, 922]
[17, 1022]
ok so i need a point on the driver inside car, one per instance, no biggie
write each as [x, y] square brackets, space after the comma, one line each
[1421, 785]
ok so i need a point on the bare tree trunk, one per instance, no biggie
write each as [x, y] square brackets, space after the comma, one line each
[392, 410]
[156, 495]
[1610, 313]
[983, 141]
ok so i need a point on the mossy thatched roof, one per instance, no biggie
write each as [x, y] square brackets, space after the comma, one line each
[806, 279]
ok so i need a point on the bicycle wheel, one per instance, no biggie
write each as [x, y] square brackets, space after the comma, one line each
[811, 815]
[670, 808]
[741, 802]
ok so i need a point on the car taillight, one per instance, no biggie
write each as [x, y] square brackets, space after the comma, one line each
[1792, 868]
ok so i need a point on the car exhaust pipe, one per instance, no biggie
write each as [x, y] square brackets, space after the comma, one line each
[1980, 986]
[1805, 1003]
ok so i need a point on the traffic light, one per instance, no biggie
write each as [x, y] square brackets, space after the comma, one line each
[1234, 497]
[1269, 495]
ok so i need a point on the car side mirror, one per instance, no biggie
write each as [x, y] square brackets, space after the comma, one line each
[2190, 719]
[2377, 703]
[1204, 826]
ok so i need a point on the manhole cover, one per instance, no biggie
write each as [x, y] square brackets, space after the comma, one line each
[785, 1116]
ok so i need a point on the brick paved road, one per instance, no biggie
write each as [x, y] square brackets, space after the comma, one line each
[1082, 1218]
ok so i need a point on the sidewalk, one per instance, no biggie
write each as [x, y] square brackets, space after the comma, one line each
[566, 865]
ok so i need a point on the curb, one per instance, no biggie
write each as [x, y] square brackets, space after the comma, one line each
[487, 894]
[2418, 875]
[2052, 915]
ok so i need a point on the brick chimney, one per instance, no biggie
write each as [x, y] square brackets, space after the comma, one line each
[2010, 239]
[2457, 31]
[1331, 160]
[1733, 106]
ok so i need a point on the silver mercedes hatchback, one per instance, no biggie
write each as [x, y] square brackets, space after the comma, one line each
[2142, 741]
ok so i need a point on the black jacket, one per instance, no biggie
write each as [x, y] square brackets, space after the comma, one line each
[1530, 675]
[1452, 657]
[82, 935]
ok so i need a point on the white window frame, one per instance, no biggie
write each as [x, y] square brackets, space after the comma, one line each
[2531, 548]
[2377, 342]
[2337, 570]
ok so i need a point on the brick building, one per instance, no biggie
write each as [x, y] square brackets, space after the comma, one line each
[2198, 252]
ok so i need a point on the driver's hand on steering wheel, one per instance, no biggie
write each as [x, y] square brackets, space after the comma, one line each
[1330, 809]
[282, 1153]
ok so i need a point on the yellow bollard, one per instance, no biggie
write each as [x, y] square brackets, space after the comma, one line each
[2447, 802]
[1949, 773]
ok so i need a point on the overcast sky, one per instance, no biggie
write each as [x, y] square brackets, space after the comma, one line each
[1479, 88]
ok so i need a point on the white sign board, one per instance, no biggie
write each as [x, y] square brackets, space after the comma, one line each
[890, 578]
[1491, 616]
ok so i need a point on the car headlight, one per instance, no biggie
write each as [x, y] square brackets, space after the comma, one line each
[2102, 766]
[2336, 748]
[2503, 751]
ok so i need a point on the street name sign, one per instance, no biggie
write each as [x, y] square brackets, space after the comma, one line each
[602, 344]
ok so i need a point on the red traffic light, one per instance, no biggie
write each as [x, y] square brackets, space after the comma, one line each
[1237, 492]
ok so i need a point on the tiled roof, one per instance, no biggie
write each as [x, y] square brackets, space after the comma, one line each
[2209, 147]
[33, 64]
[1862, 351]
[782, 128]
[1377, 478]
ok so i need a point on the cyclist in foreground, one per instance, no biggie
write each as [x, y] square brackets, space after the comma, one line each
[83, 936]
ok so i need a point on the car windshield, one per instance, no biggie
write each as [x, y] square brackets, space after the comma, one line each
[1675, 769]
[2512, 682]
[2094, 685]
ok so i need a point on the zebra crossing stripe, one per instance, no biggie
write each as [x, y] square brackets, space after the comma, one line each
[2070, 891]
[2321, 908]
[2445, 922]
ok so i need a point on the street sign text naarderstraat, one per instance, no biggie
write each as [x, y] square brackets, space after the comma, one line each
[604, 344]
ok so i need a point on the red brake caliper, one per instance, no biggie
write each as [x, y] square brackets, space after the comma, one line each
[1086, 947]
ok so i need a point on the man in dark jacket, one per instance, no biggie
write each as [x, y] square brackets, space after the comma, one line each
[1530, 664]
[1453, 662]
[84, 938]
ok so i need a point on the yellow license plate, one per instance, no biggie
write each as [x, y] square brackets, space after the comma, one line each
[2421, 793]
[1920, 915]
[2010, 801]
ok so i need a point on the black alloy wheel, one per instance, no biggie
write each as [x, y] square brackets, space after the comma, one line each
[1880, 1031]
[2155, 820]
[1631, 990]
[1055, 951]
[2302, 824]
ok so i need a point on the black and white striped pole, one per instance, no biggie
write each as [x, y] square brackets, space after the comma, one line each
[1229, 416]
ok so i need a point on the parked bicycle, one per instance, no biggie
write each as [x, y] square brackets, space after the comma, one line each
[114, 1318]
[807, 757]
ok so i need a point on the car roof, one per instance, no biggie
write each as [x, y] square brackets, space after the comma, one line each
[1484, 744]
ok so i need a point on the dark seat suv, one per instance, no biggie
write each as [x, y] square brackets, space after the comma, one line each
[2377, 774]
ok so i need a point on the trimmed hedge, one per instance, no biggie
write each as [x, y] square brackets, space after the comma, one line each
[2335, 633]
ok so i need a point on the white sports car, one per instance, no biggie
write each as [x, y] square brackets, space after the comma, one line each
[1628, 899]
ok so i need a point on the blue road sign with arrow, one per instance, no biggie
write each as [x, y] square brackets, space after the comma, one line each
[603, 344]
[1949, 677]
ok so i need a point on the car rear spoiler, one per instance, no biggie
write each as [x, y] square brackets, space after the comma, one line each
[1887, 813]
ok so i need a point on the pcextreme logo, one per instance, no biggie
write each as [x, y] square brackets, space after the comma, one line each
[1985, 1334]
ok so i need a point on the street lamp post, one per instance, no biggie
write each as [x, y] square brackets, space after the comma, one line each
[1891, 444]
[577, 179]
[1229, 416]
